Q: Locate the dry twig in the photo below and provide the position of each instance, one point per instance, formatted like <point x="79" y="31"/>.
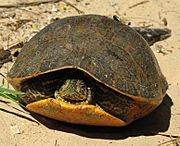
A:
<point x="175" y="142"/>
<point x="68" y="3"/>
<point x="137" y="4"/>
<point x="36" y="3"/>
<point x="169" y="134"/>
<point x="16" y="45"/>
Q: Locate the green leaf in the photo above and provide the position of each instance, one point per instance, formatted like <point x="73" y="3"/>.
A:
<point x="10" y="91"/>
<point x="13" y="95"/>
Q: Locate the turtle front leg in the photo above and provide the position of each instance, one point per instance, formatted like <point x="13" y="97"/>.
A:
<point x="32" y="96"/>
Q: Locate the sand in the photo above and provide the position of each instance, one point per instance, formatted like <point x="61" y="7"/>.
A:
<point x="19" y="128"/>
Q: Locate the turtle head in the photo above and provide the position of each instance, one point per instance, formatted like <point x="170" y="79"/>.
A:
<point x="73" y="90"/>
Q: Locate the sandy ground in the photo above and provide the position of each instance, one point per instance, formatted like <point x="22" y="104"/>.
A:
<point x="19" y="128"/>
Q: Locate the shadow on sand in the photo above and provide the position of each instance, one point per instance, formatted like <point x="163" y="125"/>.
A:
<point x="157" y="121"/>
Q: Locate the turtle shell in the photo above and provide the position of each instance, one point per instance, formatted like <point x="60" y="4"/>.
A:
<point x="108" y="54"/>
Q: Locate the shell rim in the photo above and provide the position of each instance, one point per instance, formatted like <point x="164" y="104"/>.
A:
<point x="136" y="98"/>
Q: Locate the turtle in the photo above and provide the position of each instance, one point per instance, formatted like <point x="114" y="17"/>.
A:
<point x="89" y="70"/>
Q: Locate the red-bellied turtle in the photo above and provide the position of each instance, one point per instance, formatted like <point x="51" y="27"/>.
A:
<point x="89" y="70"/>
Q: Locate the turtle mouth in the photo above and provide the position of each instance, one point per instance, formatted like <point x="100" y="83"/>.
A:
<point x="76" y="102"/>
